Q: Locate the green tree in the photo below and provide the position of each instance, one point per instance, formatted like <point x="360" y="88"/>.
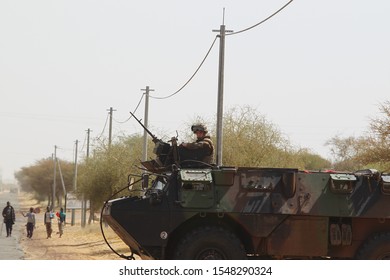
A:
<point x="311" y="161"/>
<point x="344" y="152"/>
<point x="38" y="178"/>
<point x="249" y="139"/>
<point x="372" y="150"/>
<point x="107" y="171"/>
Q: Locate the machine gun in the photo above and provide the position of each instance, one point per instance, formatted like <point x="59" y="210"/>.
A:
<point x="154" y="138"/>
<point x="169" y="154"/>
<point x="161" y="149"/>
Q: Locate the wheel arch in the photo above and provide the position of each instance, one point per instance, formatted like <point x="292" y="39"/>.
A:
<point x="209" y="219"/>
<point x="377" y="246"/>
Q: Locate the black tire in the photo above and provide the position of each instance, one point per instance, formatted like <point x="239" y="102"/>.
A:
<point x="210" y="243"/>
<point x="375" y="248"/>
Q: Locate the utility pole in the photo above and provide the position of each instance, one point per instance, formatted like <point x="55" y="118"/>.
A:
<point x="63" y="185"/>
<point x="54" y="178"/>
<point x="146" y="117"/>
<point x="75" y="167"/>
<point x="110" y="127"/>
<point x="83" y="201"/>
<point x="88" y="135"/>
<point x="75" y="181"/>
<point x="222" y="32"/>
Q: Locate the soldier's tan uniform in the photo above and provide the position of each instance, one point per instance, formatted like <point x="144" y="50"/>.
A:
<point x="203" y="147"/>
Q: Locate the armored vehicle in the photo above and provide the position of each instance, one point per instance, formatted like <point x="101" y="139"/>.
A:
<point x="197" y="211"/>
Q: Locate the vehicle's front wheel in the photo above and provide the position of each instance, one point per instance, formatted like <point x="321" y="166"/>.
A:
<point x="210" y="243"/>
<point x="375" y="248"/>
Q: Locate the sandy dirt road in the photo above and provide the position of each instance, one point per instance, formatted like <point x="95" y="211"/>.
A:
<point x="10" y="248"/>
<point x="77" y="243"/>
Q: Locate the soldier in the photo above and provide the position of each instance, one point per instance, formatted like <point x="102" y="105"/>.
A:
<point x="9" y="218"/>
<point x="201" y="150"/>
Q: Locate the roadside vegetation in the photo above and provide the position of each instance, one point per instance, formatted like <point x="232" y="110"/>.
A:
<point x="371" y="150"/>
<point x="249" y="139"/>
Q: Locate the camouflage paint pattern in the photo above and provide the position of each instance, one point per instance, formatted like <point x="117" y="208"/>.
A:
<point x="283" y="212"/>
<point x="272" y="212"/>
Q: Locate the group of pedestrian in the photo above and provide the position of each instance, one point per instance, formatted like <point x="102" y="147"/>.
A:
<point x="47" y="220"/>
<point x="9" y="219"/>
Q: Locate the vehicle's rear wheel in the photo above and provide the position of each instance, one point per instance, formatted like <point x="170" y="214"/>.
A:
<point x="375" y="248"/>
<point x="210" y="243"/>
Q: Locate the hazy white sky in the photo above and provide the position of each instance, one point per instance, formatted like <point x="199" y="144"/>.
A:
<point x="316" y="70"/>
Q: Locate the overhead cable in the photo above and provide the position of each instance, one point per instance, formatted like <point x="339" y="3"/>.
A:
<point x="136" y="108"/>
<point x="104" y="128"/>
<point x="264" y="20"/>
<point x="193" y="75"/>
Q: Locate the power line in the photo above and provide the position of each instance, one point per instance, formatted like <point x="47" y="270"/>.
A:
<point x="136" y="108"/>
<point x="84" y="142"/>
<point x="199" y="67"/>
<point x="104" y="128"/>
<point x="193" y="75"/>
<point x="212" y="45"/>
<point x="264" y="20"/>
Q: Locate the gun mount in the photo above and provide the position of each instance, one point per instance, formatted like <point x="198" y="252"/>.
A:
<point x="168" y="154"/>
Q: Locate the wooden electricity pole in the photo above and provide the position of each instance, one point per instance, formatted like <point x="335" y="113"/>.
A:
<point x="222" y="32"/>
<point x="146" y="121"/>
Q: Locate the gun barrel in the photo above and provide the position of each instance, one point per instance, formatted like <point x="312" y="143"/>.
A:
<point x="155" y="139"/>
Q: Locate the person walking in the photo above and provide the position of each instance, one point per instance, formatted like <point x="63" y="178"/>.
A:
<point x="47" y="221"/>
<point x="61" y="221"/>
<point x="9" y="218"/>
<point x="30" y="222"/>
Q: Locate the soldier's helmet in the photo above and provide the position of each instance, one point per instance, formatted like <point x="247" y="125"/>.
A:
<point x="199" y="127"/>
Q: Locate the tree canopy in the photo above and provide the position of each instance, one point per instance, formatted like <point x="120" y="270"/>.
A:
<point x="371" y="150"/>
<point x="38" y="178"/>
